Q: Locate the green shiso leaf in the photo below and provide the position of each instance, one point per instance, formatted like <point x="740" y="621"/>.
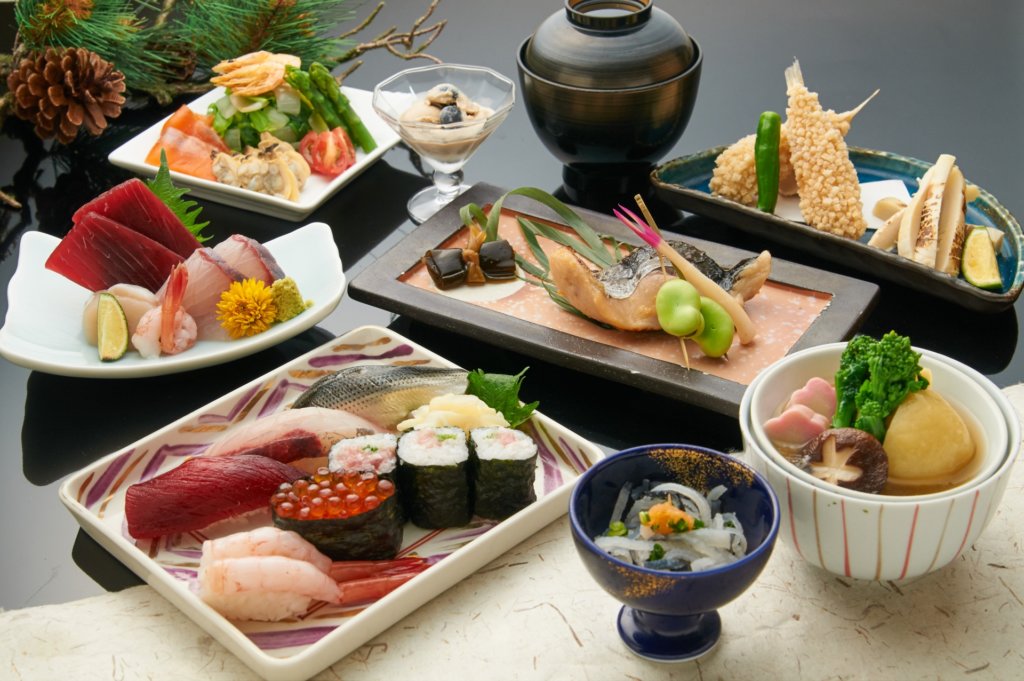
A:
<point x="187" y="211"/>
<point x="501" y="392"/>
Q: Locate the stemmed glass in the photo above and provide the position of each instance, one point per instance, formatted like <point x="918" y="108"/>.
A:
<point x="446" y="147"/>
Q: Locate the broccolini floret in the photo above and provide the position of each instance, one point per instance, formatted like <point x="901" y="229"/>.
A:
<point x="873" y="379"/>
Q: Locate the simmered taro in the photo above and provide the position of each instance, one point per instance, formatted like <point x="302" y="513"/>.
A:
<point x="849" y="458"/>
<point x="498" y="260"/>
<point x="446" y="267"/>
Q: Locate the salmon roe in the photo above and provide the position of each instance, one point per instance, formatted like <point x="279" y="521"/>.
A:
<point x="327" y="495"/>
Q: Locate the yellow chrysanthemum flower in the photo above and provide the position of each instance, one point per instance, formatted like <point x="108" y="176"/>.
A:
<point x="246" y="308"/>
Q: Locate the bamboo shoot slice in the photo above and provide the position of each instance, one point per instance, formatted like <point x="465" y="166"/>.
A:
<point x="911" y="221"/>
<point x="926" y="244"/>
<point x="885" y="236"/>
<point x="952" y="227"/>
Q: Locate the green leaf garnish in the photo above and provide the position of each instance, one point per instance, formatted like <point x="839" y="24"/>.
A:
<point x="187" y="211"/>
<point x="501" y="393"/>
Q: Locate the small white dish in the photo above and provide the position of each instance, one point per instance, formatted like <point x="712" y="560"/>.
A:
<point x="132" y="155"/>
<point x="43" y="328"/>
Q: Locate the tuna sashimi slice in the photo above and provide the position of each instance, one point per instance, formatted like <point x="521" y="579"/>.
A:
<point x="135" y="206"/>
<point x="99" y="252"/>
<point x="209" y="276"/>
<point x="249" y="257"/>
<point x="202" y="491"/>
<point x="292" y="434"/>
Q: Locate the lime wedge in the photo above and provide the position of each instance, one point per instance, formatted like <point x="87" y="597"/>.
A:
<point x="978" y="263"/>
<point x="111" y="328"/>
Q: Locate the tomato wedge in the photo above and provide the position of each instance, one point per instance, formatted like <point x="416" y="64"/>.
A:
<point x="328" y="153"/>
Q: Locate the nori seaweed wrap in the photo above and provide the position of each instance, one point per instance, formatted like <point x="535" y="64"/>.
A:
<point x="504" y="466"/>
<point x="433" y="474"/>
<point x="347" y="516"/>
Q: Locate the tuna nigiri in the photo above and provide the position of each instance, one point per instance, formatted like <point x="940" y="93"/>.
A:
<point x="292" y="434"/>
<point x="249" y="257"/>
<point x="99" y="252"/>
<point x="202" y="491"/>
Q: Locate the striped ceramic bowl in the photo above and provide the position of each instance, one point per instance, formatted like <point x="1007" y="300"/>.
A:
<point x="880" y="537"/>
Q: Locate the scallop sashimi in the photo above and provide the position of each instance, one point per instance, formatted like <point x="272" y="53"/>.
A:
<point x="292" y="434"/>
<point x="209" y="275"/>
<point x="202" y="491"/>
<point x="249" y="257"/>
<point x="132" y="204"/>
<point x="134" y="300"/>
<point x="99" y="252"/>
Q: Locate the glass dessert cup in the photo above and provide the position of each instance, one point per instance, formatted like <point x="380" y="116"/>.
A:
<point x="673" y="616"/>
<point x="445" y="147"/>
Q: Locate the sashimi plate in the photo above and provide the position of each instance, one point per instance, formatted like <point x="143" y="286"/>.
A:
<point x="132" y="155"/>
<point x="683" y="183"/>
<point x="299" y="648"/>
<point x="43" y="328"/>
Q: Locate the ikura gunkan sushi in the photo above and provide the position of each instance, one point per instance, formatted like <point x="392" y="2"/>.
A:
<point x="346" y="516"/>
<point x="434" y="477"/>
<point x="376" y="453"/>
<point x="504" y="463"/>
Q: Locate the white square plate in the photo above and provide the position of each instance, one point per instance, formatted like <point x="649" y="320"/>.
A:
<point x="299" y="648"/>
<point x="132" y="155"/>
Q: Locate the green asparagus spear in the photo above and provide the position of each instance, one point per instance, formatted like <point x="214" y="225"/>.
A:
<point x="325" y="83"/>
<point x="301" y="81"/>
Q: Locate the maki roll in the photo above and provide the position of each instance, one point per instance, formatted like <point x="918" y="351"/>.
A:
<point x="375" y="453"/>
<point x="347" y="516"/>
<point x="504" y="467"/>
<point x="434" y="477"/>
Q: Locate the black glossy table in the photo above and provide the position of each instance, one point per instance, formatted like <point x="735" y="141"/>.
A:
<point x="951" y="76"/>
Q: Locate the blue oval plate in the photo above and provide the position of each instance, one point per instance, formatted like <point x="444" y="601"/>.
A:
<point x="683" y="183"/>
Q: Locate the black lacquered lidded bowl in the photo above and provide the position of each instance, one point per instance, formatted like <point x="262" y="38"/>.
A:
<point x="609" y="86"/>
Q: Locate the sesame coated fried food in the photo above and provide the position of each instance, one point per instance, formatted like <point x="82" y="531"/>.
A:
<point x="826" y="179"/>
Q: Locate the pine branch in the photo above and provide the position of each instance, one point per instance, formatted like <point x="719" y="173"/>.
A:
<point x="400" y="45"/>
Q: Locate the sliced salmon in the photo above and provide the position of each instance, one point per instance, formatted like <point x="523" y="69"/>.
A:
<point x="188" y="138"/>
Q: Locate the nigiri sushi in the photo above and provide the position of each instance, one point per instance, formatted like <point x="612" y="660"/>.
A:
<point x="267" y="588"/>
<point x="292" y="434"/>
<point x="202" y="491"/>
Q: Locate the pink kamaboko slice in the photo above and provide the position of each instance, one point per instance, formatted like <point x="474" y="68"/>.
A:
<point x="292" y="434"/>
<point x="99" y="252"/>
<point x="135" y="206"/>
<point x="209" y="275"/>
<point x="249" y="257"/>
<point x="202" y="491"/>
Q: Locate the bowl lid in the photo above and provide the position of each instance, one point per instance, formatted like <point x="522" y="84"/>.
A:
<point x="609" y="44"/>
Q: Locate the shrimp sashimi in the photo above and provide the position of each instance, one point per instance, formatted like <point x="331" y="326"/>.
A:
<point x="168" y="328"/>
<point x="266" y="541"/>
<point x="267" y="588"/>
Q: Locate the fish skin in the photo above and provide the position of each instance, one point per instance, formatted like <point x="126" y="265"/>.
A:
<point x="381" y="393"/>
<point x="621" y="280"/>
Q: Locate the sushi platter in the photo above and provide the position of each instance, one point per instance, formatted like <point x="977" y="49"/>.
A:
<point x="299" y="647"/>
<point x="826" y="307"/>
<point x="683" y="183"/>
<point x="318" y="189"/>
<point x="43" y="328"/>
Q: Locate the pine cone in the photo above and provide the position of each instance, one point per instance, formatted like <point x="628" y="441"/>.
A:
<point x="62" y="90"/>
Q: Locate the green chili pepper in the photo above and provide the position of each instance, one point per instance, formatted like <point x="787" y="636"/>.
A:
<point x="766" y="159"/>
<point x="354" y="125"/>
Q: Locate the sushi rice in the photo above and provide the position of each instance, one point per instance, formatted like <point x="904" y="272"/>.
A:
<point x="375" y="453"/>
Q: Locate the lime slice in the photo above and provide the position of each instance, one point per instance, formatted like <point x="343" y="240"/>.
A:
<point x="111" y="328"/>
<point x="978" y="263"/>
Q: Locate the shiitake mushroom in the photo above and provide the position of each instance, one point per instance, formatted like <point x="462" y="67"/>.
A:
<point x="847" y="457"/>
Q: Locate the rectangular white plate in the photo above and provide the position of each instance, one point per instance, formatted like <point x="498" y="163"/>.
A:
<point x="43" y="328"/>
<point x="298" y="649"/>
<point x="132" y="155"/>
